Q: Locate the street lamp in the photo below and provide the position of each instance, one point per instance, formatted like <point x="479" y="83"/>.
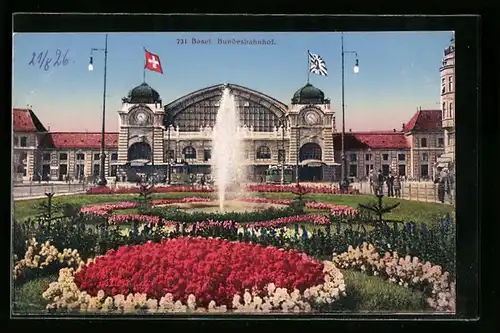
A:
<point x="344" y="183"/>
<point x="282" y="123"/>
<point x="102" y="177"/>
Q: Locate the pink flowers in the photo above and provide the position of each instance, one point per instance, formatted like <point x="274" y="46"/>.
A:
<point x="155" y="189"/>
<point x="334" y="209"/>
<point x="285" y="221"/>
<point x="108" y="208"/>
<point x="301" y="189"/>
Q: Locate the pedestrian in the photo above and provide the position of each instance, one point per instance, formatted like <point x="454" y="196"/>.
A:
<point x="380" y="183"/>
<point x="390" y="185"/>
<point x="202" y="181"/>
<point x="372" y="179"/>
<point x="397" y="186"/>
<point x="441" y="183"/>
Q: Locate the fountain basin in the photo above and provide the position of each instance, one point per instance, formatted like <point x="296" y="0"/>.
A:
<point x="229" y="206"/>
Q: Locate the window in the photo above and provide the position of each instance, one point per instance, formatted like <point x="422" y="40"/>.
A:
<point x="24" y="141"/>
<point x="281" y="156"/>
<point x="385" y="169"/>
<point x="385" y="157"/>
<point x="402" y="170"/>
<point x="80" y="156"/>
<point x="170" y="155"/>
<point x="353" y="157"/>
<point x="368" y="157"/>
<point x="423" y="142"/>
<point x="444" y="110"/>
<point x="424" y="170"/>
<point x="353" y="170"/>
<point x="450" y="83"/>
<point x="443" y="85"/>
<point x="440" y="142"/>
<point x="114" y="170"/>
<point x="46" y="156"/>
<point x="368" y="167"/>
<point x="263" y="153"/>
<point x="114" y="156"/>
<point x="189" y="152"/>
<point x="425" y="157"/>
<point x="63" y="156"/>
<point x="207" y="155"/>
<point x="95" y="170"/>
<point x="451" y="111"/>
<point x="97" y="156"/>
<point x="16" y="141"/>
<point x="401" y="157"/>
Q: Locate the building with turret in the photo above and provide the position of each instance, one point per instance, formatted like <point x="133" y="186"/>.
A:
<point x="447" y="71"/>
<point x="153" y="135"/>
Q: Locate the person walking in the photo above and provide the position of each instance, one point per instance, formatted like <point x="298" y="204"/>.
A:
<point x="380" y="183"/>
<point x="397" y="186"/>
<point x="372" y="179"/>
<point x="390" y="185"/>
<point x="441" y="185"/>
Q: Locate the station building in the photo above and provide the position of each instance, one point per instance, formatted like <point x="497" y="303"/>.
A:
<point x="153" y="135"/>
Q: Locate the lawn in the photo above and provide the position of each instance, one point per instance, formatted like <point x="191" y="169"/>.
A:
<point x="365" y="294"/>
<point x="415" y="211"/>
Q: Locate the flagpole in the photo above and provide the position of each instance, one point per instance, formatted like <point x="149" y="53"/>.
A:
<point x="308" y="69"/>
<point x="144" y="69"/>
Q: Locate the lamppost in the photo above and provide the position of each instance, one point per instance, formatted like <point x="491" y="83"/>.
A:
<point x="169" y="124"/>
<point x="102" y="176"/>
<point x="344" y="183"/>
<point x="282" y="123"/>
<point x="298" y="153"/>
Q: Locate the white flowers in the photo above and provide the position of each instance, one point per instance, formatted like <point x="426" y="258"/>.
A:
<point x="41" y="257"/>
<point x="407" y="272"/>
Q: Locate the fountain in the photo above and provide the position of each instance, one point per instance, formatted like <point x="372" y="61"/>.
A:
<point x="227" y="149"/>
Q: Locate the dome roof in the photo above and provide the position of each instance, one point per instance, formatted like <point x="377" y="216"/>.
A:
<point x="308" y="94"/>
<point x="143" y="94"/>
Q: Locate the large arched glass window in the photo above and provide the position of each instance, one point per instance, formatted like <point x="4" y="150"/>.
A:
<point x="310" y="151"/>
<point x="263" y="152"/>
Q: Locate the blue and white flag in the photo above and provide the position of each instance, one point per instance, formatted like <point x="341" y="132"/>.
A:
<point x="317" y="65"/>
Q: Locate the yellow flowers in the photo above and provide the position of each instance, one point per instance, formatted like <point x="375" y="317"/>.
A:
<point x="407" y="272"/>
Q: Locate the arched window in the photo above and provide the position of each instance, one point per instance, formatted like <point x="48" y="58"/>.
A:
<point x="139" y="151"/>
<point x="189" y="152"/>
<point x="452" y="113"/>
<point x="310" y="151"/>
<point x="263" y="152"/>
<point x="444" y="110"/>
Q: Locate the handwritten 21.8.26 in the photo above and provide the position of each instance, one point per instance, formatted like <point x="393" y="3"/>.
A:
<point x="44" y="60"/>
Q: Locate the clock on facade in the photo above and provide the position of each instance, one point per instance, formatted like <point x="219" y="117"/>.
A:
<point x="141" y="117"/>
<point x="311" y="118"/>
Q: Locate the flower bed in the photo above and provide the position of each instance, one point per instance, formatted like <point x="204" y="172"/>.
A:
<point x="155" y="189"/>
<point x="334" y="209"/>
<point x="252" y="188"/>
<point x="407" y="271"/>
<point x="108" y="208"/>
<point x="185" y="274"/>
<point x="300" y="188"/>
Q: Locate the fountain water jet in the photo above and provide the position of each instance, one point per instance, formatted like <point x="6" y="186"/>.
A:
<point x="227" y="148"/>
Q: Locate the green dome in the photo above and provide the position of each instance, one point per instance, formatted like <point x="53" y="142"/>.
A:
<point x="308" y="94"/>
<point x="143" y="94"/>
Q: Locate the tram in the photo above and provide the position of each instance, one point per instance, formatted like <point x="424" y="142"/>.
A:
<point x="273" y="174"/>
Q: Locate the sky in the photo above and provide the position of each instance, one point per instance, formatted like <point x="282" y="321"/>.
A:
<point x="399" y="72"/>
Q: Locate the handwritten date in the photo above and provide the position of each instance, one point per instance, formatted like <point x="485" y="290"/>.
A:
<point x="45" y="61"/>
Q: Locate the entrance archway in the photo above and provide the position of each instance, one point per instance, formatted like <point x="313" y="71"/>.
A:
<point x="139" y="151"/>
<point x="311" y="152"/>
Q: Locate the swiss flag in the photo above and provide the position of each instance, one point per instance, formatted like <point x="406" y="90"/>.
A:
<point x="153" y="62"/>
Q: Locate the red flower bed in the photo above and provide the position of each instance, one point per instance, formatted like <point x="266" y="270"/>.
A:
<point x="155" y="189"/>
<point x="284" y="221"/>
<point x="298" y="189"/>
<point x="252" y="188"/>
<point x="210" y="269"/>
